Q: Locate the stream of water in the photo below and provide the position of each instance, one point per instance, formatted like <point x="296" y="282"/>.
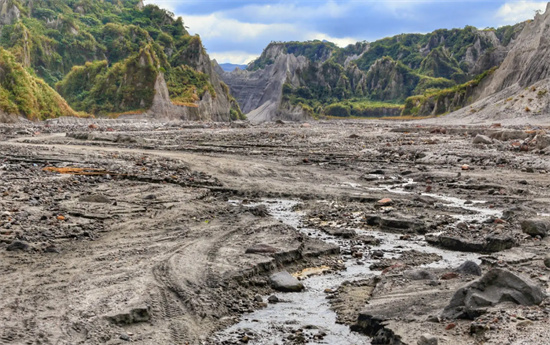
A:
<point x="310" y="310"/>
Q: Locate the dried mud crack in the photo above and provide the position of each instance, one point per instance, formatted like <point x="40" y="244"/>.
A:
<point x="167" y="234"/>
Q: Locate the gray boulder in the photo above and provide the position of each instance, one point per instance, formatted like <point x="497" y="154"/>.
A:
<point x="469" y="267"/>
<point x="543" y="141"/>
<point x="496" y="286"/>
<point x="482" y="139"/>
<point x="285" y="282"/>
<point x="536" y="227"/>
<point x="427" y="339"/>
<point x="547" y="261"/>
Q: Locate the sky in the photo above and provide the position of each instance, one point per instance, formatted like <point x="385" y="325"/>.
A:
<point x="237" y="31"/>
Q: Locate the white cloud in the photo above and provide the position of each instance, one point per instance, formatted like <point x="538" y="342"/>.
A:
<point x="165" y="4"/>
<point x="514" y="12"/>
<point x="236" y="57"/>
<point x="215" y="25"/>
<point x="341" y="42"/>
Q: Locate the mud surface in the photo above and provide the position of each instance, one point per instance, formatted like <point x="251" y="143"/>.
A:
<point x="166" y="233"/>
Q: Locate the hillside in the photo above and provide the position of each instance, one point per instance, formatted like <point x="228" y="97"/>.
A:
<point x="301" y="79"/>
<point x="518" y="90"/>
<point x="113" y="57"/>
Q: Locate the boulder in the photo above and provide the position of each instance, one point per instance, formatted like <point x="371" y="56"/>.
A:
<point x="496" y="286"/>
<point x="482" y="139"/>
<point x="543" y="141"/>
<point x="18" y="245"/>
<point x="469" y="267"/>
<point x="427" y="339"/>
<point x="536" y="227"/>
<point x="285" y="282"/>
<point x="547" y="261"/>
<point x="490" y="244"/>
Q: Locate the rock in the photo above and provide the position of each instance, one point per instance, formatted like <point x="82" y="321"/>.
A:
<point x="547" y="261"/>
<point x="131" y="316"/>
<point x="384" y="202"/>
<point x="536" y="227"/>
<point x="543" y="141"/>
<point x="96" y="198"/>
<point x="489" y="244"/>
<point x="495" y="287"/>
<point x="482" y="139"/>
<point x="273" y="299"/>
<point x="18" y="245"/>
<point x="427" y="339"/>
<point x="258" y="299"/>
<point x="469" y="267"/>
<point x="419" y="274"/>
<point x="261" y="249"/>
<point x="465" y="167"/>
<point x="124" y="337"/>
<point x="285" y="282"/>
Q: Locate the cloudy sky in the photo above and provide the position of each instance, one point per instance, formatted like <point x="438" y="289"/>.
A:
<point x="238" y="30"/>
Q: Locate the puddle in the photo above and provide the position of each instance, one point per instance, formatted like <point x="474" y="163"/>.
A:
<point x="310" y="309"/>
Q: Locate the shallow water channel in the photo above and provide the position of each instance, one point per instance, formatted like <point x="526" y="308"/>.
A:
<point x="310" y="310"/>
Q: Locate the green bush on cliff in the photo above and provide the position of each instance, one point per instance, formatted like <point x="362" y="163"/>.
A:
<point x="187" y="86"/>
<point x="23" y="94"/>
<point x="437" y="102"/>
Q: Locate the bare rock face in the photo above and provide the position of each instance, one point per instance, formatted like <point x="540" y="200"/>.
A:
<point x="9" y="13"/>
<point x="496" y="286"/>
<point x="527" y="62"/>
<point x="259" y="93"/>
<point x="520" y="87"/>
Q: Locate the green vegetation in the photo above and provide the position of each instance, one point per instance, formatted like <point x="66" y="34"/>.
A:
<point x="23" y="94"/>
<point x="105" y="56"/>
<point x="315" y="50"/>
<point x="362" y="108"/>
<point x="437" y="102"/>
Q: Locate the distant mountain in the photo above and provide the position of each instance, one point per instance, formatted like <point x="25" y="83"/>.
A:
<point x="230" y="67"/>
<point x="296" y="80"/>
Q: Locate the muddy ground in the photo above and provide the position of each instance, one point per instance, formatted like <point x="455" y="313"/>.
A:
<point x="115" y="232"/>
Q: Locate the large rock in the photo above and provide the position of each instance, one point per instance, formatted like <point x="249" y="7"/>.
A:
<point x="536" y="227"/>
<point x="482" y="139"/>
<point x="491" y="244"/>
<point x="469" y="267"/>
<point x="496" y="286"/>
<point x="285" y="282"/>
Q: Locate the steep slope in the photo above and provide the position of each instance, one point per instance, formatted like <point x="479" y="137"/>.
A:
<point x="294" y="80"/>
<point x="22" y="94"/>
<point x="520" y="87"/>
<point x="129" y="49"/>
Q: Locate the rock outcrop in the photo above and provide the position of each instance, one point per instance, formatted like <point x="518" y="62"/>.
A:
<point x="520" y="87"/>
<point x="9" y="13"/>
<point x="260" y="93"/>
<point x="496" y="286"/>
